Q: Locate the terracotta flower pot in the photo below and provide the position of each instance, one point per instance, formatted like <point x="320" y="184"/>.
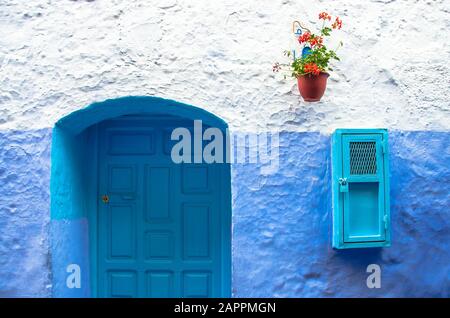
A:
<point x="312" y="87"/>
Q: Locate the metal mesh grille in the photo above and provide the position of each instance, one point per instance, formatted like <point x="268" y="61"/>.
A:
<point x="363" y="157"/>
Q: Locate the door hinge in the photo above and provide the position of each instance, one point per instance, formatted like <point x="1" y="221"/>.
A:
<point x="383" y="147"/>
<point x="385" y="220"/>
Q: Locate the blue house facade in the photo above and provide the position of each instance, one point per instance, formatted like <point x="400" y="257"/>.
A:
<point x="276" y="228"/>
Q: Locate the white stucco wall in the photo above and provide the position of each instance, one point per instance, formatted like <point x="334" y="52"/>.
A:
<point x="59" y="56"/>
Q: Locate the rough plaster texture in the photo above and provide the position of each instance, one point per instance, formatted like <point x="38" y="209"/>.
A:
<point x="282" y="224"/>
<point x="58" y="56"/>
<point x="24" y="213"/>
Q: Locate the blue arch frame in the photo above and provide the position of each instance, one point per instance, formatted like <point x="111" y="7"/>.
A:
<point x="81" y="119"/>
<point x="72" y="181"/>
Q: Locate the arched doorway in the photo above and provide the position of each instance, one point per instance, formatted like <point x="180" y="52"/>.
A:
<point x="136" y="223"/>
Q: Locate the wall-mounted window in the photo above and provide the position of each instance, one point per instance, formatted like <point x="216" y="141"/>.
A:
<point x="360" y="183"/>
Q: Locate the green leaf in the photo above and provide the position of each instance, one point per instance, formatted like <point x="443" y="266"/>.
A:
<point x="326" y="31"/>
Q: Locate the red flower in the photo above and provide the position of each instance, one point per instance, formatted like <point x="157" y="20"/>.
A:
<point x="304" y="37"/>
<point x="316" y="41"/>
<point x="324" y="16"/>
<point x="312" y="39"/>
<point x="337" y="24"/>
<point x="311" y="68"/>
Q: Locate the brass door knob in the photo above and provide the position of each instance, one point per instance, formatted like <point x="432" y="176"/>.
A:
<point x="105" y="198"/>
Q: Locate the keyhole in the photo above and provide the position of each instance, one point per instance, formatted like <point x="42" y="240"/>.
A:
<point x="105" y="198"/>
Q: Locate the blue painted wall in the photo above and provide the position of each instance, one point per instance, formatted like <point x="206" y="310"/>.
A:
<point x="24" y="213"/>
<point x="281" y="222"/>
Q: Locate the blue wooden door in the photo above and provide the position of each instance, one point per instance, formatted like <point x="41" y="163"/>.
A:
<point x="364" y="199"/>
<point x="163" y="229"/>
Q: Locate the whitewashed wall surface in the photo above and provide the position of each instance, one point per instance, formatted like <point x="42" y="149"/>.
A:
<point x="59" y="56"/>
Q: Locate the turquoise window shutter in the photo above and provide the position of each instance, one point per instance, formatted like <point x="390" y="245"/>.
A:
<point x="360" y="175"/>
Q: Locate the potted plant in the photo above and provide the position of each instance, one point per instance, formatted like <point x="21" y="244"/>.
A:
<point x="311" y="68"/>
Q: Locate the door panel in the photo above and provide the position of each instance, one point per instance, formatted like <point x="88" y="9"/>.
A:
<point x="122" y="284"/>
<point x="160" y="284"/>
<point x="120" y="231"/>
<point x="196" y="284"/>
<point x="161" y="234"/>
<point x="158" y="187"/>
<point x="196" y="232"/>
<point x="364" y="201"/>
<point x="363" y="197"/>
